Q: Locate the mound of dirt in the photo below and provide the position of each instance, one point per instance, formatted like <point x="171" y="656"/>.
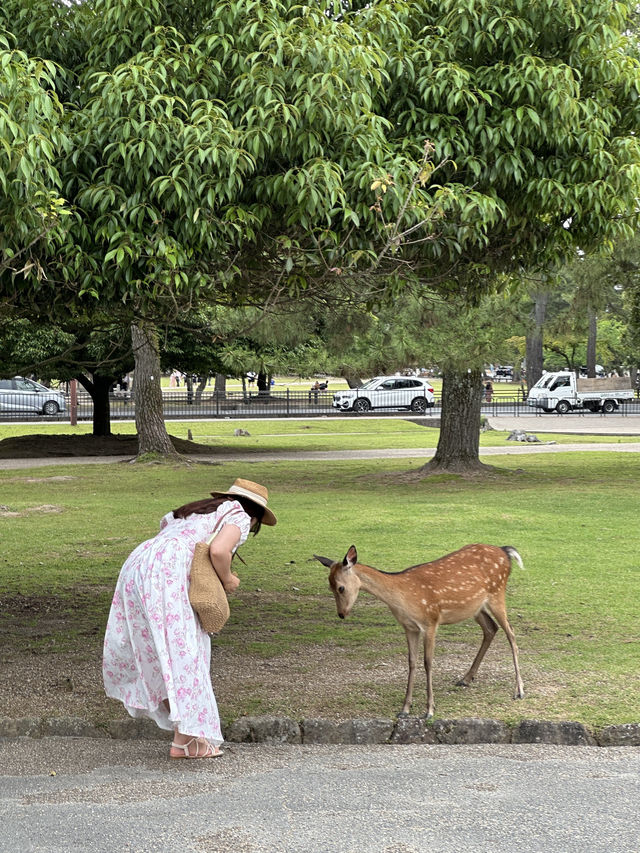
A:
<point x="43" y="446"/>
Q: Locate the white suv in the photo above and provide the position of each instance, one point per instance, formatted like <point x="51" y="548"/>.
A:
<point x="387" y="392"/>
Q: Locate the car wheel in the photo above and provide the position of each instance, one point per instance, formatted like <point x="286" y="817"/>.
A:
<point x="50" y="408"/>
<point x="419" y="405"/>
<point x="361" y="405"/>
<point x="609" y="407"/>
<point x="563" y="407"/>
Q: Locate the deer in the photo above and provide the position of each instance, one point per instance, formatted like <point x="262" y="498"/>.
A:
<point x="470" y="582"/>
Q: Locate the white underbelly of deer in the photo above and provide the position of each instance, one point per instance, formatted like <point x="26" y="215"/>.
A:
<point x="469" y="583"/>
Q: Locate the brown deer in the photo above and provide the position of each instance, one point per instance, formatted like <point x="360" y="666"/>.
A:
<point x="468" y="582"/>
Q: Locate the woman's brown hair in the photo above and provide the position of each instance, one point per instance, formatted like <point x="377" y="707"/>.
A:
<point x="204" y="507"/>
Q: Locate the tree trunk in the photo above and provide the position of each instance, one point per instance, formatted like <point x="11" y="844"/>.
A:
<point x="188" y="384"/>
<point x="220" y="386"/>
<point x="202" y="385"/>
<point x="458" y="448"/>
<point x="264" y="386"/>
<point x="101" y="404"/>
<point x="534" y="353"/>
<point x="353" y="379"/>
<point x="98" y="389"/>
<point x="591" y="345"/>
<point x="150" y="426"/>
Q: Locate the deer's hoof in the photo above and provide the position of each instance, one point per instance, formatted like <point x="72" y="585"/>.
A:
<point x="462" y="683"/>
<point x="402" y="714"/>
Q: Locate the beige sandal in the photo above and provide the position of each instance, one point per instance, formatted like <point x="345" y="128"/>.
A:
<point x="209" y="750"/>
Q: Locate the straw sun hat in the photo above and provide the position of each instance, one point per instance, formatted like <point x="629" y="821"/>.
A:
<point x="254" y="492"/>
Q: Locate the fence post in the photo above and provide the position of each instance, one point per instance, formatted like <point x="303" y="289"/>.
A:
<point x="288" y="408"/>
<point x="73" y="402"/>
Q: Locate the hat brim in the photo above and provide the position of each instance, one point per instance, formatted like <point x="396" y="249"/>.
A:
<point x="268" y="518"/>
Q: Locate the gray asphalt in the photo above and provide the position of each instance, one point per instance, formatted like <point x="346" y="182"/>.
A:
<point x="110" y="796"/>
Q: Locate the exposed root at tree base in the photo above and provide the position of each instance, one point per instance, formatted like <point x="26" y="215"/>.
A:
<point x="156" y="458"/>
<point x="463" y="467"/>
<point x="458" y="472"/>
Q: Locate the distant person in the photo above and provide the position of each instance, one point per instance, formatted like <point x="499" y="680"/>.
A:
<point x="488" y="392"/>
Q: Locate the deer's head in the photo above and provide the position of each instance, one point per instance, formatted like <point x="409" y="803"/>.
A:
<point x="343" y="581"/>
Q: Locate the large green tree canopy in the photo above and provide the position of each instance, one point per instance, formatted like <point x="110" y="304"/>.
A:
<point x="232" y="147"/>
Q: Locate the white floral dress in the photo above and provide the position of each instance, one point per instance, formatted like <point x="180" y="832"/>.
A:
<point x="154" y="647"/>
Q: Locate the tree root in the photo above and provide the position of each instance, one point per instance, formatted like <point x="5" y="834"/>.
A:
<point x="464" y="467"/>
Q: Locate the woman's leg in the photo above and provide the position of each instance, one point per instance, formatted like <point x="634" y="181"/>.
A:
<point x="197" y="746"/>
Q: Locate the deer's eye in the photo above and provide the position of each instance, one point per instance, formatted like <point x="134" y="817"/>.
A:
<point x="340" y="589"/>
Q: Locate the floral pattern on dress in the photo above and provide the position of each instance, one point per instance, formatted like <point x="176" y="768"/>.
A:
<point x="154" y="646"/>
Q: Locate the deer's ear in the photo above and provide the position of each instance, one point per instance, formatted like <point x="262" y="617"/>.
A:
<point x="350" y="558"/>
<point x="324" y="560"/>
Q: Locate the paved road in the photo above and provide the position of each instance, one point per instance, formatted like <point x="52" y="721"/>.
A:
<point x="111" y="796"/>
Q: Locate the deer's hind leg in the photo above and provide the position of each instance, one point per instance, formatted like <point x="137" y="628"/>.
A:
<point x="499" y="613"/>
<point x="489" y="630"/>
<point x="429" y="647"/>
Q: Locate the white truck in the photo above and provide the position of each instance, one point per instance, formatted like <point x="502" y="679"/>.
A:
<point x="561" y="392"/>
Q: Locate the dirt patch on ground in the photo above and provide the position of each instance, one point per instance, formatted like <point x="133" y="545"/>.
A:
<point x="42" y="446"/>
<point x="51" y="657"/>
<point x="5" y="512"/>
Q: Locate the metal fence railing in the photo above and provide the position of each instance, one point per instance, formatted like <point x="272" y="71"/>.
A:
<point x="276" y="403"/>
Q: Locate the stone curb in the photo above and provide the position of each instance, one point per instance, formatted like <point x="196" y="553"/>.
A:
<point x="403" y="730"/>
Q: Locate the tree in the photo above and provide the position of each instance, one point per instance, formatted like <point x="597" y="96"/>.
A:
<point x="537" y="105"/>
<point x="534" y="352"/>
<point x="225" y="341"/>
<point x="96" y="357"/>
<point x="461" y="341"/>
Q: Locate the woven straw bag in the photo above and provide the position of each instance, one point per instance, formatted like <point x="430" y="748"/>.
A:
<point x="206" y="593"/>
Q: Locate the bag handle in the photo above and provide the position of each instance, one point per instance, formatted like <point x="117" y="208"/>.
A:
<point x="217" y="527"/>
<point x="217" y="530"/>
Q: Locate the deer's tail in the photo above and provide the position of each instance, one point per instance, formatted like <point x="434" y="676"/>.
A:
<point x="513" y="555"/>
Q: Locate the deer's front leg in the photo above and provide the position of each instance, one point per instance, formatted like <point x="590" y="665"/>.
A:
<point x="413" y="640"/>
<point x="429" y="646"/>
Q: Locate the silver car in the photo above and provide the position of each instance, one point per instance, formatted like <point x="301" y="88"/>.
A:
<point x="387" y="392"/>
<point x="25" y="395"/>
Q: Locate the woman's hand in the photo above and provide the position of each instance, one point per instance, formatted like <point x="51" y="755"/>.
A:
<point x="232" y="584"/>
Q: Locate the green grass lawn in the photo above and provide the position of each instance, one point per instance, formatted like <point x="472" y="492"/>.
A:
<point x="573" y="517"/>
<point x="311" y="434"/>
